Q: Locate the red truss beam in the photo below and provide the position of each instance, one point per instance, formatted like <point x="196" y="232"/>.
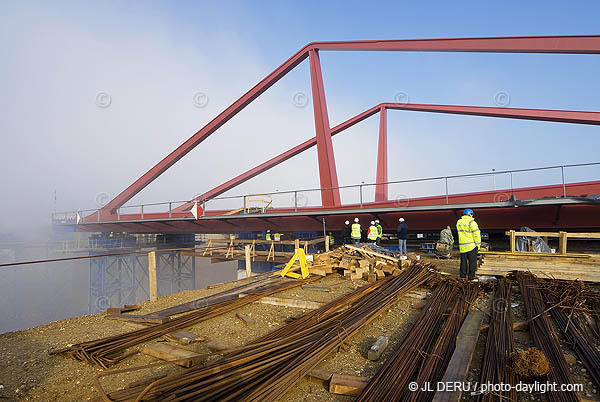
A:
<point x="330" y="194"/>
<point x="381" y="190"/>
<point x="531" y="44"/>
<point x="562" y="116"/>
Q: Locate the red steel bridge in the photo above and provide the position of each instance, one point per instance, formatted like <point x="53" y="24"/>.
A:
<point x="561" y="204"/>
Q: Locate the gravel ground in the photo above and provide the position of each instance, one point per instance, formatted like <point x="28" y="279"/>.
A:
<point x="28" y="373"/>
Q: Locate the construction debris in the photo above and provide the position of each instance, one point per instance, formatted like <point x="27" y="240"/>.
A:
<point x="179" y="356"/>
<point x="266" y="368"/>
<point x="377" y="349"/>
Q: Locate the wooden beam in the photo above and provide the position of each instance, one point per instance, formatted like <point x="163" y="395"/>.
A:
<point x="295" y="303"/>
<point x="347" y="384"/>
<point x="152" y="283"/>
<point x="248" y="261"/>
<point x="181" y="357"/>
<point x="457" y="370"/>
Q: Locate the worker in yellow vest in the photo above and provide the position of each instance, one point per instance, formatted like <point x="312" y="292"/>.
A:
<point x="379" y="231"/>
<point x="469" y="242"/>
<point x="372" y="233"/>
<point x="277" y="236"/>
<point x="268" y="235"/>
<point x="355" y="233"/>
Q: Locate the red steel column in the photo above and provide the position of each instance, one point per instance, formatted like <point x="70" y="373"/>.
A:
<point x="327" y="170"/>
<point x="381" y="190"/>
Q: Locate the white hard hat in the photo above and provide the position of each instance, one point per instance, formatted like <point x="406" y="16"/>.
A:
<point x="401" y="219"/>
<point x="356" y="220"/>
<point x="376" y="220"/>
<point x="347" y="222"/>
<point x="372" y="222"/>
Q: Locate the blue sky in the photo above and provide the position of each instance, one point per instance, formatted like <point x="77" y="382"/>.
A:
<point x="151" y="57"/>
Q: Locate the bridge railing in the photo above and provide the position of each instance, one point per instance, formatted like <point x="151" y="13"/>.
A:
<point x="401" y="193"/>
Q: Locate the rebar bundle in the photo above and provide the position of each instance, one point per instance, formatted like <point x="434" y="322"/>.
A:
<point x="437" y="360"/>
<point x="391" y="380"/>
<point x="571" y="320"/>
<point x="108" y="351"/>
<point x="545" y="338"/>
<point x="266" y="368"/>
<point x="499" y="346"/>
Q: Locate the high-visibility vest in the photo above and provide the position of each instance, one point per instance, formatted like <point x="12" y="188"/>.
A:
<point x="355" y="234"/>
<point x="469" y="236"/>
<point x="268" y="236"/>
<point x="277" y="236"/>
<point x="372" y="235"/>
<point x="379" y="230"/>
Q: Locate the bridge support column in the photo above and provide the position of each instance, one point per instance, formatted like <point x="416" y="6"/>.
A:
<point x="381" y="190"/>
<point x="330" y="195"/>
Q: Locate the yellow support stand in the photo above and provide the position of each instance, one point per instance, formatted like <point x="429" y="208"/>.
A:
<point x="298" y="255"/>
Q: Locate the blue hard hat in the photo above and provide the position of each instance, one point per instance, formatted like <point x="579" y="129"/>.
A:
<point x="468" y="211"/>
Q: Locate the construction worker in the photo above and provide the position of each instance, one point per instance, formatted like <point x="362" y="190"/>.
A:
<point x="355" y="233"/>
<point x="372" y="233"/>
<point x="379" y="231"/>
<point x="346" y="230"/>
<point x="268" y="235"/>
<point x="469" y="242"/>
<point x="402" y="231"/>
<point x="277" y="236"/>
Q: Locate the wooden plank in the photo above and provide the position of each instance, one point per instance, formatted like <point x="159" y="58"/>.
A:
<point x="531" y="254"/>
<point x="150" y="319"/>
<point x="295" y="303"/>
<point x="167" y="352"/>
<point x="466" y="340"/>
<point x="120" y="310"/>
<point x="574" y="235"/>
<point x="512" y="241"/>
<point x="248" y="261"/>
<point x="562" y="243"/>
<point x="347" y="384"/>
<point x="371" y="253"/>
<point x="323" y="375"/>
<point x="183" y="337"/>
<point x="153" y="286"/>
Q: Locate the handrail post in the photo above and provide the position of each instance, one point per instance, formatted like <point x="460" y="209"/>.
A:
<point x="142" y="211"/>
<point x="98" y="215"/>
<point x="245" y="203"/>
<point x="119" y="213"/>
<point x="446" y="180"/>
<point x="512" y="193"/>
<point x="295" y="201"/>
<point x="203" y="207"/>
<point x="361" y="195"/>
<point x="562" y="172"/>
<point x="170" y="209"/>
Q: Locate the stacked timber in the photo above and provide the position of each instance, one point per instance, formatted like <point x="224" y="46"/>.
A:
<point x="357" y="263"/>
<point x="583" y="267"/>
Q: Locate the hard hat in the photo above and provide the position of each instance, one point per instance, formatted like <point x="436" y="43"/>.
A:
<point x="376" y="220"/>
<point x="268" y="230"/>
<point x="372" y="222"/>
<point x="468" y="211"/>
<point x="347" y="222"/>
<point x="356" y="220"/>
<point x="401" y="220"/>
